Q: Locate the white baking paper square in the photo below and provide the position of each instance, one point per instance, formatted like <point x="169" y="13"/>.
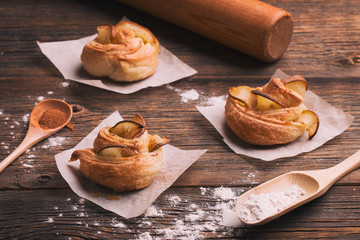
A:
<point x="333" y="122"/>
<point x="131" y="204"/>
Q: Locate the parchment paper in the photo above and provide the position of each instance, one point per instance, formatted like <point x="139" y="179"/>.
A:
<point x="132" y="204"/>
<point x="333" y="121"/>
<point x="65" y="55"/>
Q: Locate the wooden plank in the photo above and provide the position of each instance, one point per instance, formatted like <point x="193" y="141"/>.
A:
<point x="178" y="120"/>
<point x="52" y="214"/>
<point x="37" y="203"/>
<point x="324" y="43"/>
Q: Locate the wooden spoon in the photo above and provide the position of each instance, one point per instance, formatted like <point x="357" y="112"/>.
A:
<point x="35" y="132"/>
<point x="314" y="183"/>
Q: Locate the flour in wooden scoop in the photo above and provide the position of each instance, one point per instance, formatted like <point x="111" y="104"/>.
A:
<point x="258" y="207"/>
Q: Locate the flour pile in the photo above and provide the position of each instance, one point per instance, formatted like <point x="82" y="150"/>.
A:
<point x="258" y="207"/>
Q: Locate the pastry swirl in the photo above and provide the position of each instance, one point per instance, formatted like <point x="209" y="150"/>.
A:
<point x="125" y="52"/>
<point x="125" y="157"/>
<point x="269" y="115"/>
<point x="119" y="174"/>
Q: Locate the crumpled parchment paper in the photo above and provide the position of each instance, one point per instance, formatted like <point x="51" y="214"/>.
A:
<point x="333" y="122"/>
<point x="131" y="204"/>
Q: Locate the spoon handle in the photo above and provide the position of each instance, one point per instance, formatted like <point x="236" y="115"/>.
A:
<point x="28" y="142"/>
<point x="327" y="177"/>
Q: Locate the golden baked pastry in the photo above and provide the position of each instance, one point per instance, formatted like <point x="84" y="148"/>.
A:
<point x="272" y="114"/>
<point x="125" y="157"/>
<point x="125" y="52"/>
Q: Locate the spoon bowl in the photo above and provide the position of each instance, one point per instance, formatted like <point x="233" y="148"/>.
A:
<point x="36" y="133"/>
<point x="314" y="184"/>
<point x="50" y="104"/>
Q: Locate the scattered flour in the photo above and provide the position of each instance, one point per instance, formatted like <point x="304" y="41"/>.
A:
<point x="231" y="219"/>
<point x="64" y="84"/>
<point x="153" y="211"/>
<point x="192" y="95"/>
<point x="197" y="221"/>
<point x="215" y="214"/>
<point x="224" y="193"/>
<point x="118" y="225"/>
<point x="213" y="101"/>
<point x="28" y="165"/>
<point x="197" y="215"/>
<point x="54" y="141"/>
<point x="258" y="207"/>
<point x="145" y="236"/>
<point x="50" y="220"/>
<point x="25" y="118"/>
<point x="203" y="191"/>
<point x="189" y="95"/>
<point x="174" y="200"/>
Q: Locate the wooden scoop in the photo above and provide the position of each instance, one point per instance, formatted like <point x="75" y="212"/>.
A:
<point x="36" y="133"/>
<point x="314" y="183"/>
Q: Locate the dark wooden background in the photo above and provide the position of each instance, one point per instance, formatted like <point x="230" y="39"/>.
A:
<point x="324" y="49"/>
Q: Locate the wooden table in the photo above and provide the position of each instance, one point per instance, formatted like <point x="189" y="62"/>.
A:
<point x="37" y="203"/>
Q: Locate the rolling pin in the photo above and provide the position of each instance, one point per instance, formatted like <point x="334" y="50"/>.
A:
<point x="250" y="26"/>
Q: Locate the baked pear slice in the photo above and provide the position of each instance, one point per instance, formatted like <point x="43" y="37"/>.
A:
<point x="244" y="95"/>
<point x="128" y="129"/>
<point x="265" y="101"/>
<point x="129" y="133"/>
<point x="111" y="151"/>
<point x="156" y="142"/>
<point x="296" y="83"/>
<point x="311" y="120"/>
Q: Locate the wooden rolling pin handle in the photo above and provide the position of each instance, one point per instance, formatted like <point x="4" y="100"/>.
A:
<point x="250" y="26"/>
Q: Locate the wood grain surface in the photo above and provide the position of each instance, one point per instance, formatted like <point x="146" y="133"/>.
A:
<point x="37" y="203"/>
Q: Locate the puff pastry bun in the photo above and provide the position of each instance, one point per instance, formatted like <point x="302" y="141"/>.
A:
<point x="125" y="52"/>
<point x="272" y="114"/>
<point x="125" y="157"/>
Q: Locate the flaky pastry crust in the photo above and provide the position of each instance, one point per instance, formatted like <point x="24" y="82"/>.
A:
<point x="119" y="162"/>
<point x="272" y="114"/>
<point x="258" y="129"/>
<point x="121" y="53"/>
<point x="120" y="173"/>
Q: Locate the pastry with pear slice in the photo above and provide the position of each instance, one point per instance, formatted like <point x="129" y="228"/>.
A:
<point x="272" y="114"/>
<point x="125" y="157"/>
